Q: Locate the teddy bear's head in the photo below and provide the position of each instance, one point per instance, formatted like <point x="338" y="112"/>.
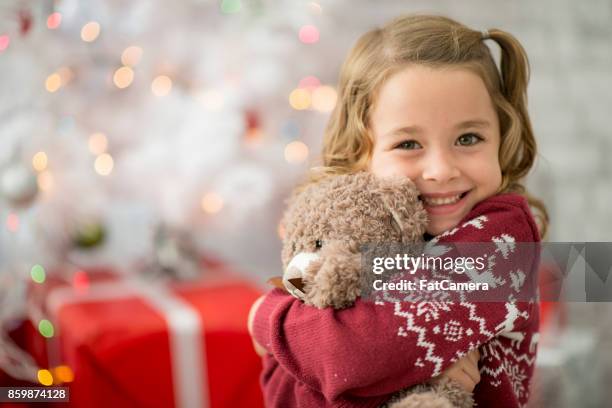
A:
<point x="327" y="223"/>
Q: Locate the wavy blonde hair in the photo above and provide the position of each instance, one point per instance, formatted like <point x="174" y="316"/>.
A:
<point x="433" y="41"/>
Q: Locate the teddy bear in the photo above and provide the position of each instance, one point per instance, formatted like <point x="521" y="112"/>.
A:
<point x="326" y="225"/>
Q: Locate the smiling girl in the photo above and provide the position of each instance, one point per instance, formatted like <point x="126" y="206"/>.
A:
<point x="423" y="98"/>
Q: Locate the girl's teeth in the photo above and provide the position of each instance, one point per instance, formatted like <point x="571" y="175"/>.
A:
<point x="442" y="201"/>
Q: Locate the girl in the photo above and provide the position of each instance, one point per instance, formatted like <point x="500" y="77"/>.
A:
<point x="421" y="97"/>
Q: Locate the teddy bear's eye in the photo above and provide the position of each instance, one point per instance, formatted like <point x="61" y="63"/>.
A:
<point x="318" y="244"/>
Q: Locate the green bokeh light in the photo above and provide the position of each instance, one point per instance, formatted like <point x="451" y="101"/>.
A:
<point x="46" y="328"/>
<point x="230" y="6"/>
<point x="38" y="273"/>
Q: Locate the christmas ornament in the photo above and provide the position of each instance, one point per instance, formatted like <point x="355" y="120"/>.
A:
<point x="176" y="256"/>
<point x="18" y="185"/>
<point x="89" y="235"/>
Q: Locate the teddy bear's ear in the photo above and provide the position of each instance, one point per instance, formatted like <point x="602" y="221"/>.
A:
<point x="400" y="197"/>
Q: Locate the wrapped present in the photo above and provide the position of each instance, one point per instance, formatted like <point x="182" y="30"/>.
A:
<point x="129" y="342"/>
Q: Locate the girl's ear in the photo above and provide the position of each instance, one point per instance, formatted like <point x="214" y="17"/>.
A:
<point x="400" y="197"/>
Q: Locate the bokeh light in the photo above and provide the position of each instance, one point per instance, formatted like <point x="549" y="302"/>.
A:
<point x="46" y="329"/>
<point x="53" y="82"/>
<point x="212" y="100"/>
<point x="45" y="377"/>
<point x="281" y="231"/>
<point x="299" y="99"/>
<point x="296" y="152"/>
<point x="90" y="31"/>
<point x="231" y="6"/>
<point x="131" y="56"/>
<point x="63" y="374"/>
<point x="98" y="143"/>
<point x="309" y="82"/>
<point x="12" y="222"/>
<point x="212" y="203"/>
<point x="54" y="20"/>
<point x="309" y="34"/>
<point x="39" y="161"/>
<point x="38" y="273"/>
<point x="45" y="180"/>
<point x="315" y="8"/>
<point x="161" y="85"/>
<point x="104" y="164"/>
<point x="324" y="98"/>
<point x="123" y="77"/>
<point x="80" y="282"/>
<point x="5" y="40"/>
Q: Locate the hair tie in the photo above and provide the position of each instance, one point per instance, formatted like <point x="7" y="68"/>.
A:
<point x="485" y="34"/>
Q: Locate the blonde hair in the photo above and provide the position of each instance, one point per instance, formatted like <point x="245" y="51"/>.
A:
<point x="434" y="41"/>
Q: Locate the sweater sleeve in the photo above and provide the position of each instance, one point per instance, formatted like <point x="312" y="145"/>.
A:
<point x="374" y="349"/>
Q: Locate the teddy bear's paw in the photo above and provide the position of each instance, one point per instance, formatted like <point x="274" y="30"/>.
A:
<point x="459" y="397"/>
<point x="429" y="399"/>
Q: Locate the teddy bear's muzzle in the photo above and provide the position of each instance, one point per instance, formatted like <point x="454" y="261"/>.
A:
<point x="292" y="278"/>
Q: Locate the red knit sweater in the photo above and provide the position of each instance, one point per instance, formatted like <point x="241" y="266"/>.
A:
<point x="360" y="356"/>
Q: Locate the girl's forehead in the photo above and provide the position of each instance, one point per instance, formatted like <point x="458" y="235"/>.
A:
<point x="424" y="94"/>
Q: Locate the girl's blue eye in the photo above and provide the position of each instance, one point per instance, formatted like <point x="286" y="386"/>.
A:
<point x="469" y="139"/>
<point x="408" y="145"/>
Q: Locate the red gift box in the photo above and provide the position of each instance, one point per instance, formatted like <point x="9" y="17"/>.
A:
<point x="132" y="343"/>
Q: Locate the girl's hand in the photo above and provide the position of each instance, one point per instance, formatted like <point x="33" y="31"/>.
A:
<point x="464" y="371"/>
<point x="258" y="348"/>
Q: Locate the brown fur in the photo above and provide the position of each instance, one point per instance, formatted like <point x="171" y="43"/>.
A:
<point x="344" y="212"/>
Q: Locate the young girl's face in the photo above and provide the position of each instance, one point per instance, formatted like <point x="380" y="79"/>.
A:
<point x="439" y="128"/>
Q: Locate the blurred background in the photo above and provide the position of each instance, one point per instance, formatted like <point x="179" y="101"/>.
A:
<point x="158" y="140"/>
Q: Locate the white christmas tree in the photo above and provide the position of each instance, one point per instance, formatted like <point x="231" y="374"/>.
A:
<point x="119" y="118"/>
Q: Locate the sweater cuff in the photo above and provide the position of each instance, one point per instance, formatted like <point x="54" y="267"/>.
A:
<point x="261" y="322"/>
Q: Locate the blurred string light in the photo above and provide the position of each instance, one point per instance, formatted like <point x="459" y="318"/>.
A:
<point x="280" y="230"/>
<point x="212" y="100"/>
<point x="309" y="82"/>
<point x="45" y="377"/>
<point x="212" y="203"/>
<point x="296" y="152"/>
<point x="53" y="82"/>
<point x="80" y="282"/>
<point x="131" y="56"/>
<point x="309" y="34"/>
<point x="5" y="40"/>
<point x="299" y="99"/>
<point x="324" y="98"/>
<point x="123" y="77"/>
<point x="90" y="31"/>
<point x="315" y="7"/>
<point x="38" y="274"/>
<point x="310" y="94"/>
<point x="46" y="329"/>
<point x="40" y="161"/>
<point x="12" y="222"/>
<point x="63" y="374"/>
<point x="98" y="143"/>
<point x="45" y="180"/>
<point x="231" y="6"/>
<point x="104" y="164"/>
<point x="54" y="20"/>
<point x="161" y="85"/>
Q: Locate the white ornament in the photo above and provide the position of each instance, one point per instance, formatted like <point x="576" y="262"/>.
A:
<point x="18" y="185"/>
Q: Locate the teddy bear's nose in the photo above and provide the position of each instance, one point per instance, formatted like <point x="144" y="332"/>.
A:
<point x="292" y="278"/>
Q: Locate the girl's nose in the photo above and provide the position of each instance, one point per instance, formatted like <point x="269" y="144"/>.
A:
<point x="440" y="166"/>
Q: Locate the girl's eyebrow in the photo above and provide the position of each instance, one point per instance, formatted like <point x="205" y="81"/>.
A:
<point x="478" y="123"/>
<point x="473" y="123"/>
